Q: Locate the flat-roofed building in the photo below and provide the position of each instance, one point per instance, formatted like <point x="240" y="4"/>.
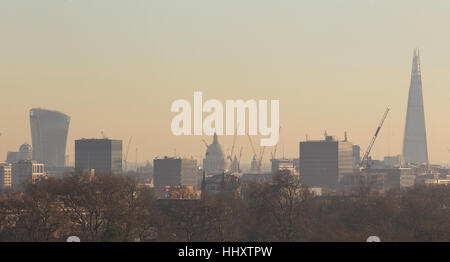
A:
<point x="102" y="155"/>
<point x="323" y="163"/>
<point x="169" y="171"/>
<point x="26" y="171"/>
<point x="283" y="164"/>
<point x="5" y="175"/>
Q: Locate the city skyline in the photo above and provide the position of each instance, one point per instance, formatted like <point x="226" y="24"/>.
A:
<point x="333" y="66"/>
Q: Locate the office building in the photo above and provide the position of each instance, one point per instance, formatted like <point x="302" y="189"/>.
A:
<point x="11" y="157"/>
<point x="174" y="172"/>
<point x="5" y="175"/>
<point x="26" y="171"/>
<point x="323" y="163"/>
<point x="102" y="155"/>
<point x="49" y="136"/>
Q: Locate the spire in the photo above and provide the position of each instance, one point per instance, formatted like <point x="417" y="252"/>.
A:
<point x="203" y="191"/>
<point x="215" y="141"/>
<point x="415" y="139"/>
<point x="416" y="63"/>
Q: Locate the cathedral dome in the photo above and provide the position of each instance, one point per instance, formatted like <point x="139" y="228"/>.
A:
<point x="214" y="150"/>
<point x="214" y="161"/>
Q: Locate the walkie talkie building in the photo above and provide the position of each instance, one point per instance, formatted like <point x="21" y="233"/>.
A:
<point x="49" y="131"/>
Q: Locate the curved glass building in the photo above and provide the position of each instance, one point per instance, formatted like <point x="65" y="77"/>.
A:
<point x="49" y="136"/>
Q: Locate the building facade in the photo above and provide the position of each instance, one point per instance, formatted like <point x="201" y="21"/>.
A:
<point x="5" y="175"/>
<point x="323" y="163"/>
<point x="102" y="155"/>
<point x="174" y="172"/>
<point x="26" y="171"/>
<point x="49" y="131"/>
<point x="415" y="138"/>
<point x="283" y="164"/>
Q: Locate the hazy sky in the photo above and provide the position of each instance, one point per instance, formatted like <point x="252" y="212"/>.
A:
<point x="116" y="66"/>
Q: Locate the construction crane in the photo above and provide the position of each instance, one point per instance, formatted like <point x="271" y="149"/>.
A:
<point x="261" y="154"/>
<point x="274" y="152"/>
<point x="239" y="159"/>
<point x="206" y="143"/>
<point x="232" y="147"/>
<point x="126" y="153"/>
<point x="103" y="135"/>
<point x="372" y="142"/>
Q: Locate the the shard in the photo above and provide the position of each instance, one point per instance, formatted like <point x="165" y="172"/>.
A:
<point x="415" y="139"/>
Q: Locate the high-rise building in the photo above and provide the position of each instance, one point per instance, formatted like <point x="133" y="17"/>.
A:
<point x="26" y="171"/>
<point x="174" y="172"/>
<point x="415" y="139"/>
<point x="323" y="163"/>
<point x="5" y="175"/>
<point x="49" y="136"/>
<point x="214" y="161"/>
<point x="102" y="155"/>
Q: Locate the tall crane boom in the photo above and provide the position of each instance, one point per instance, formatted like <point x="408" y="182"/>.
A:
<point x="251" y="144"/>
<point x="126" y="153"/>
<point x="260" y="159"/>
<point x="232" y="148"/>
<point x="372" y="142"/>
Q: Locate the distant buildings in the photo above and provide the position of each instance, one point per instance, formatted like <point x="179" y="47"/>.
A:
<point x="25" y="153"/>
<point x="26" y="171"/>
<point x="174" y="172"/>
<point x="219" y="183"/>
<point x="176" y="192"/>
<point x="384" y="180"/>
<point x="415" y="138"/>
<point x="393" y="161"/>
<point x="11" y="157"/>
<point x="214" y="161"/>
<point x="49" y="136"/>
<point x="324" y="162"/>
<point x="256" y="177"/>
<point x="234" y="167"/>
<point x="5" y="175"/>
<point x="101" y="155"/>
<point x="283" y="164"/>
<point x="145" y="173"/>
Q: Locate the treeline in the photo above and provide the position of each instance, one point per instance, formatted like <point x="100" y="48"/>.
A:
<point x="117" y="208"/>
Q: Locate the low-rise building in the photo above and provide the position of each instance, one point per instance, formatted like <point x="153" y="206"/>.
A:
<point x="26" y="171"/>
<point x="5" y="175"/>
